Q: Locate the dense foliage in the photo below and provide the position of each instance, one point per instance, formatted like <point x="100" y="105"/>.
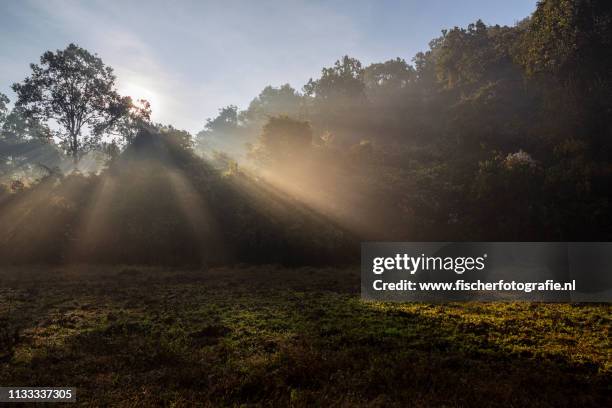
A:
<point x="493" y="133"/>
<point x="501" y="133"/>
<point x="159" y="203"/>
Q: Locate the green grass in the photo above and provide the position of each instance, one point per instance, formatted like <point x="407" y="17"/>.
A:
<point x="278" y="337"/>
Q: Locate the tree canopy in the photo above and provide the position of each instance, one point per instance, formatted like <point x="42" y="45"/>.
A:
<point x="75" y="89"/>
<point x="498" y="133"/>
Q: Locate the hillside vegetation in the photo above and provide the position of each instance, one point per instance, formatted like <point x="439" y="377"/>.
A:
<point x="494" y="133"/>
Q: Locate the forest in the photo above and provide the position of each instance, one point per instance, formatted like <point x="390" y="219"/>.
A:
<point x="493" y="133"/>
<point x="219" y="267"/>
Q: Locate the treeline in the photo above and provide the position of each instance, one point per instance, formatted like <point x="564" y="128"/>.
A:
<point x="494" y="133"/>
<point x="86" y="177"/>
<point x="159" y="203"/>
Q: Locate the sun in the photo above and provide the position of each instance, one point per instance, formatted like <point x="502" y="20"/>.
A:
<point x="137" y="91"/>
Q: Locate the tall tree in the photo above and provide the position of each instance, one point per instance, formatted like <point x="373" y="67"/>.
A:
<point x="75" y="89"/>
<point x="570" y="39"/>
<point x="567" y="49"/>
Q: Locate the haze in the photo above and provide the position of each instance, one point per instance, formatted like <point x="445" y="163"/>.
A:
<point x="190" y="58"/>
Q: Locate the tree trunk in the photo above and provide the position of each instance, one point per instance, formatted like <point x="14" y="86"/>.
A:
<point x="75" y="150"/>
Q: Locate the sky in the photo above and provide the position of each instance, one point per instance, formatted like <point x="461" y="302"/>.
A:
<point x="189" y="58"/>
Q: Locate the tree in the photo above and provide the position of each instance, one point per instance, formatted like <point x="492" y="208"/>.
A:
<point x="222" y="132"/>
<point x="137" y="117"/>
<point x="3" y="107"/>
<point x="75" y="89"/>
<point x="226" y="121"/>
<point x="25" y="142"/>
<point x="343" y="80"/>
<point x="283" y="141"/>
<point x="467" y="57"/>
<point x="570" y="39"/>
<point x="273" y="101"/>
<point x="388" y="76"/>
<point x="337" y="100"/>
<point x="566" y="49"/>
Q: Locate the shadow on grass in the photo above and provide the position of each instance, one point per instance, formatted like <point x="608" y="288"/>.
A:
<point x="280" y="337"/>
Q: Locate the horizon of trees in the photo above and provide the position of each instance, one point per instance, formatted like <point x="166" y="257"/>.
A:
<point x="494" y="133"/>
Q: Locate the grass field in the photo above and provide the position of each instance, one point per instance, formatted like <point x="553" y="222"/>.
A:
<point x="270" y="336"/>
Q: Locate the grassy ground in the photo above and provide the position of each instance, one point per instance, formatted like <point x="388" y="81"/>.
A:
<point x="277" y="337"/>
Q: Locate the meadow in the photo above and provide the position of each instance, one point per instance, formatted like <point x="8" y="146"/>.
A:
<point x="272" y="336"/>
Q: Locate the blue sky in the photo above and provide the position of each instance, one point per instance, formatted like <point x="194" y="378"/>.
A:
<point x="191" y="57"/>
